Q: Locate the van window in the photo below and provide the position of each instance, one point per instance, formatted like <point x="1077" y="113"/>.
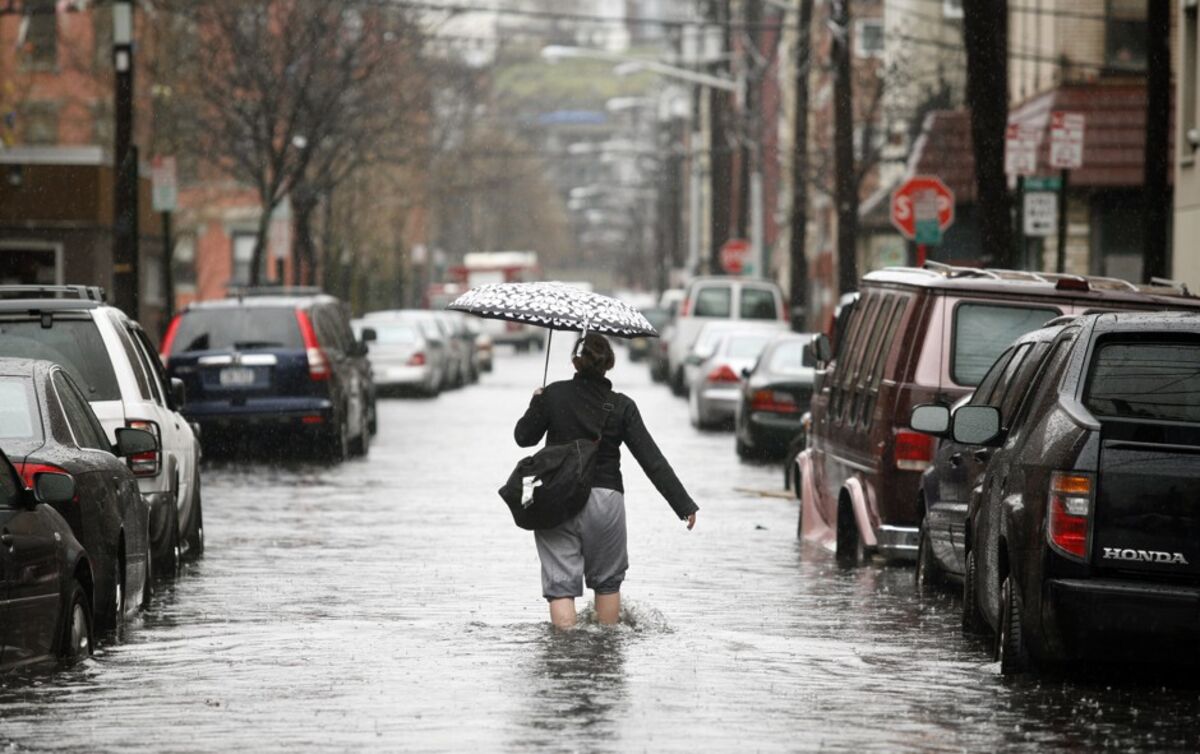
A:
<point x="875" y="376"/>
<point x="870" y="352"/>
<point x="981" y="332"/>
<point x="758" y="303"/>
<point x="74" y="344"/>
<point x="855" y="345"/>
<point x="713" y="301"/>
<point x="1158" y="380"/>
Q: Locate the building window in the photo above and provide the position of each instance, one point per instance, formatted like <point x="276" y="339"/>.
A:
<point x="243" y="256"/>
<point x="1125" y="35"/>
<point x="868" y="38"/>
<point x="39" y="123"/>
<point x="183" y="263"/>
<point x="40" y="34"/>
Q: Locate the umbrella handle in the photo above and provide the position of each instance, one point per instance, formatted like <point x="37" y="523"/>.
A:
<point x="546" y="369"/>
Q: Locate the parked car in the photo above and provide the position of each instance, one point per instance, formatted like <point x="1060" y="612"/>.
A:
<point x="957" y="469"/>
<point x="659" y="351"/>
<point x="484" y="345"/>
<point x="50" y="428"/>
<point x="278" y="361"/>
<point x="443" y="349"/>
<point x="709" y="299"/>
<point x="639" y="348"/>
<point x="463" y="345"/>
<point x="113" y="361"/>
<point x="716" y="389"/>
<point x="920" y="336"/>
<point x="402" y="358"/>
<point x="775" y="395"/>
<point x="709" y="339"/>
<point x="1083" y="541"/>
<point x="45" y="574"/>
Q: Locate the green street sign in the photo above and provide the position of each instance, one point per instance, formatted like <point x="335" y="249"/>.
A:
<point x="1043" y="183"/>
<point x="928" y="232"/>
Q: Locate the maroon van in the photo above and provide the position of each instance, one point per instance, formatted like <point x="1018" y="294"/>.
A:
<point x="915" y="336"/>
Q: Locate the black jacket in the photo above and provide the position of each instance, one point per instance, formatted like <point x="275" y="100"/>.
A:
<point x="573" y="409"/>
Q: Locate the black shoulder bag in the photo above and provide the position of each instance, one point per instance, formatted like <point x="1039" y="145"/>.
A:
<point x="552" y="485"/>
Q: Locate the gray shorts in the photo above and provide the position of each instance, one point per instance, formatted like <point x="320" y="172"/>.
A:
<point x="591" y="545"/>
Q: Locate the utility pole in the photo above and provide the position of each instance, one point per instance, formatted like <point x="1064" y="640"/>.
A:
<point x="125" y="166"/>
<point x="1157" y="196"/>
<point x="846" y="185"/>
<point x="720" y="156"/>
<point x="798" y="298"/>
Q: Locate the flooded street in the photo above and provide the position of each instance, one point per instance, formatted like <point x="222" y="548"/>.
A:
<point x="390" y="603"/>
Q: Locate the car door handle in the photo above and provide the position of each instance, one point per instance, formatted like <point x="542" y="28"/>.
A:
<point x="956" y="459"/>
<point x="983" y="454"/>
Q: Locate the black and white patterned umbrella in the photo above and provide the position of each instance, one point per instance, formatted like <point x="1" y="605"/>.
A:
<point x="556" y="306"/>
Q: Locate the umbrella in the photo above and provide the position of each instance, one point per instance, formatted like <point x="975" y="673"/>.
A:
<point x="555" y="306"/>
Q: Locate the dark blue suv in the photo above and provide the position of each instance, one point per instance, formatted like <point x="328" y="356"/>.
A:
<point x="276" y="361"/>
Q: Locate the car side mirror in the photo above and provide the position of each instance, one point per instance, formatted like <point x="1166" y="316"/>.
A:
<point x="930" y="419"/>
<point x="369" y="335"/>
<point x="53" y="488"/>
<point x="821" y="349"/>
<point x="746" y="372"/>
<point x="132" y="442"/>
<point x="976" y="425"/>
<point x="178" y="392"/>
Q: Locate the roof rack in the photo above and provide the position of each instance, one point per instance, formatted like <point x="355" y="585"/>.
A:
<point x="1178" y="285"/>
<point x="82" y="292"/>
<point x="249" y="291"/>
<point x="952" y="271"/>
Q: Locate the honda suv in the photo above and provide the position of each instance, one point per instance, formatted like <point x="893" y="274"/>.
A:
<point x="277" y="360"/>
<point x="111" y="359"/>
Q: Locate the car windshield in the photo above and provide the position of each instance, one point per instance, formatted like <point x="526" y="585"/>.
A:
<point x="73" y="343"/>
<point x="19" y="418"/>
<point x="746" y="346"/>
<point x="983" y="331"/>
<point x="392" y="334"/>
<point x="787" y="358"/>
<point x="1146" y="380"/>
<point x="236" y="328"/>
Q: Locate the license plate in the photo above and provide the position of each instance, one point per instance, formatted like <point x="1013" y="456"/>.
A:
<point x="237" y="377"/>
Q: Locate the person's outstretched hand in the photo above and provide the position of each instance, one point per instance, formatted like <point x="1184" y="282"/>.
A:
<point x="691" y="521"/>
<point x="538" y="391"/>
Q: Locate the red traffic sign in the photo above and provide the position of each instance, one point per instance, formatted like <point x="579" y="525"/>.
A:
<point x="921" y="191"/>
<point x="734" y="254"/>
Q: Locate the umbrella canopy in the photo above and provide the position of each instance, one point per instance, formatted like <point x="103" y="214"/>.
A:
<point x="556" y="306"/>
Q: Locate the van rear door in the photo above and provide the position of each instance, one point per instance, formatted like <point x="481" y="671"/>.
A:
<point x="1146" y="394"/>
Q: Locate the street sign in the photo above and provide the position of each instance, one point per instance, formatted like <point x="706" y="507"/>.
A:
<point x="1043" y="183"/>
<point x="1066" y="140"/>
<point x="735" y="253"/>
<point x="165" y="190"/>
<point x="1020" y="149"/>
<point x="923" y="195"/>
<point x="1040" y="213"/>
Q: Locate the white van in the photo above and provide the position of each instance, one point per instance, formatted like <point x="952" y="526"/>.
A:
<point x="712" y="299"/>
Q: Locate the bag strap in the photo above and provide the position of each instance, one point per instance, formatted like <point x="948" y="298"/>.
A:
<point x="607" y="407"/>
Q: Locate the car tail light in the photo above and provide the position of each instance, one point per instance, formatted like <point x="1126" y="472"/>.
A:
<point x="914" y="451"/>
<point x="1070" y="511"/>
<point x="318" y="362"/>
<point x="164" y="350"/>
<point x="722" y="373"/>
<point x="312" y="419"/>
<point x="150" y="463"/>
<point x="771" y="400"/>
<point x="417" y="359"/>
<point x="29" y="471"/>
<point x="685" y="307"/>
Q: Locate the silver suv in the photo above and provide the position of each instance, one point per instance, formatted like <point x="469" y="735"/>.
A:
<point x="112" y="360"/>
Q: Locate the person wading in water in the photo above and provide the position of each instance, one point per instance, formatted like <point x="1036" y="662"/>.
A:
<point x="591" y="545"/>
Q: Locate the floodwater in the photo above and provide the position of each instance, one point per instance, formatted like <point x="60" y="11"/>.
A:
<point x="390" y="604"/>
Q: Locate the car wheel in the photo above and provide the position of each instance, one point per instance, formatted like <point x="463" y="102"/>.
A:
<point x="77" y="631"/>
<point x="373" y="421"/>
<point x="742" y="449"/>
<point x="972" y="619"/>
<point x="148" y="585"/>
<point x="849" y="543"/>
<point x="927" y="574"/>
<point x="677" y="384"/>
<point x="337" y="443"/>
<point x="361" y="445"/>
<point x="193" y="538"/>
<point x="117" y="603"/>
<point x="1010" y="640"/>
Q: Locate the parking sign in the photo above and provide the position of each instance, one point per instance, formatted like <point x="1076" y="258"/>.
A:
<point x="1066" y="140"/>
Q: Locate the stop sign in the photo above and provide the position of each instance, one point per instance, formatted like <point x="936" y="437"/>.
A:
<point x="733" y="255"/>
<point x="921" y="189"/>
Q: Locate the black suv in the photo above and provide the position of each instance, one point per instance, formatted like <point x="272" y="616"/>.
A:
<point x="1084" y="538"/>
<point x="275" y="360"/>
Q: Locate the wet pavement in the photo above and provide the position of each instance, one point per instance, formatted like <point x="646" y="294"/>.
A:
<point x="390" y="603"/>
